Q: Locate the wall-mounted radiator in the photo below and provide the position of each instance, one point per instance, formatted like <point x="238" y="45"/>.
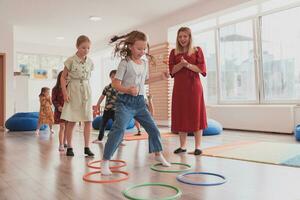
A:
<point x="269" y="118"/>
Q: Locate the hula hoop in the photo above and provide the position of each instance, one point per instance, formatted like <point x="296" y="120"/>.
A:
<point x="177" y="195"/>
<point x="181" y="178"/>
<point x="153" y="167"/>
<point x="123" y="163"/>
<point x="87" y="179"/>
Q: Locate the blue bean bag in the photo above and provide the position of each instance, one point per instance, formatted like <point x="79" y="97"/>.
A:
<point x="24" y="122"/>
<point x="97" y="120"/>
<point x="297" y="132"/>
<point x="213" y="128"/>
<point x="27" y="114"/>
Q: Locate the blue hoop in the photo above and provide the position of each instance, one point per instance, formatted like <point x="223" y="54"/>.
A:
<point x="181" y="178"/>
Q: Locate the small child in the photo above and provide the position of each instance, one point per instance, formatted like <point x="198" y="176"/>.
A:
<point x="58" y="102"/>
<point x="46" y="113"/>
<point x="132" y="74"/>
<point x="109" y="111"/>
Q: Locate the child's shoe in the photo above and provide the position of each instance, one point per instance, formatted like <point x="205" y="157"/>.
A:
<point x="138" y="133"/>
<point x="97" y="141"/>
<point x="61" y="148"/>
<point x="70" y="152"/>
<point x="88" y="152"/>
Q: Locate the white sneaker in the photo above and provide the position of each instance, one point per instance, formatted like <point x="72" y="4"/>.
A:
<point x="123" y="144"/>
<point x="97" y="141"/>
<point x="61" y="148"/>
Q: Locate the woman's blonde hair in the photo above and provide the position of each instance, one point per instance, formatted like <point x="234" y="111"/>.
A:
<point x="179" y="48"/>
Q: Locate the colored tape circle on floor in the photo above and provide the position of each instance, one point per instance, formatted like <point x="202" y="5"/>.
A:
<point x="128" y="190"/>
<point x="122" y="164"/>
<point x="154" y="167"/>
<point x="87" y="176"/>
<point x="181" y="178"/>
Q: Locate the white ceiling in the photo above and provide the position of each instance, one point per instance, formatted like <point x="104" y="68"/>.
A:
<point x="41" y="21"/>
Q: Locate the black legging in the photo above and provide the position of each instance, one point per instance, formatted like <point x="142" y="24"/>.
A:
<point x="107" y="114"/>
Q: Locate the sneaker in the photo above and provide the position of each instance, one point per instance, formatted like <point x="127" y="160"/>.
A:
<point x="61" y="148"/>
<point x="70" y="152"/>
<point x="122" y="144"/>
<point x="97" y="141"/>
<point x="179" y="150"/>
<point x="138" y="133"/>
<point x="197" y="152"/>
<point x="65" y="145"/>
<point x="88" y="152"/>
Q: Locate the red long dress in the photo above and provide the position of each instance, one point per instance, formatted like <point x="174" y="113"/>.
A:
<point x="188" y="106"/>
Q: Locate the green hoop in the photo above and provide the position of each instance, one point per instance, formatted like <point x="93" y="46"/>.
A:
<point x="176" y="196"/>
<point x="153" y="167"/>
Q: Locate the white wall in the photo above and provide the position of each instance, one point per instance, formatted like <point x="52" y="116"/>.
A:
<point x="297" y="114"/>
<point x="28" y="89"/>
<point x="104" y="62"/>
<point x="27" y="93"/>
<point x="43" y="49"/>
<point x="21" y="94"/>
<point x="7" y="47"/>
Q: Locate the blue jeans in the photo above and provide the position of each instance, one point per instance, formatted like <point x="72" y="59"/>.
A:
<point x="128" y="107"/>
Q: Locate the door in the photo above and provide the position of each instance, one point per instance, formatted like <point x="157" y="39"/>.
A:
<point x="2" y="89"/>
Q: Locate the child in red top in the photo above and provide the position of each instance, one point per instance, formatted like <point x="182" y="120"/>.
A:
<point x="58" y="102"/>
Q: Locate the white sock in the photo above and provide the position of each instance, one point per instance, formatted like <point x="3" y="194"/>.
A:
<point x="105" y="168"/>
<point x="161" y="158"/>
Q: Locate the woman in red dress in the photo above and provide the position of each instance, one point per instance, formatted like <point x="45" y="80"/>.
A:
<point x="188" y="107"/>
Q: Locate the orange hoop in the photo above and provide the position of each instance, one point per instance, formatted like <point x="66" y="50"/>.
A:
<point x="87" y="179"/>
<point x="123" y="164"/>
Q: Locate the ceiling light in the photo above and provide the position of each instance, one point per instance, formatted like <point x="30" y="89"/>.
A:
<point x="60" y="38"/>
<point x="95" y="18"/>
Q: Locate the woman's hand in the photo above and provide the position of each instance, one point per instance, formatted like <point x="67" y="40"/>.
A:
<point x="183" y="62"/>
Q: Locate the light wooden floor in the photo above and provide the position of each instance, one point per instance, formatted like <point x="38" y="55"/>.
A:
<point x="32" y="168"/>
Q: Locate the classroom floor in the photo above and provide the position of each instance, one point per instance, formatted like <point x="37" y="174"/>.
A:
<point x="32" y="168"/>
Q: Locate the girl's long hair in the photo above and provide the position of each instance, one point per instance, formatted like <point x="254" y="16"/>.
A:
<point x="123" y="42"/>
<point x="43" y="90"/>
<point x="179" y="48"/>
<point x="58" y="85"/>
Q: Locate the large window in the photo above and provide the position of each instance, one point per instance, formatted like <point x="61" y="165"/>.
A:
<point x="206" y="41"/>
<point x="281" y="55"/>
<point x="252" y="52"/>
<point x="39" y="66"/>
<point x="237" y="81"/>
